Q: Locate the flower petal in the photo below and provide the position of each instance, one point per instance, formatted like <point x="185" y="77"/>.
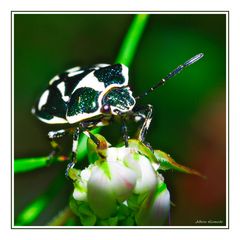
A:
<point x="123" y="180"/>
<point x="155" y="208"/>
<point x="101" y="198"/>
<point x="147" y="181"/>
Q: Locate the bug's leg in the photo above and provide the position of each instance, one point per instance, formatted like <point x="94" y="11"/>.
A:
<point x="125" y="132"/>
<point x="124" y="129"/>
<point x="74" y="151"/>
<point x="55" y="146"/>
<point x="146" y="115"/>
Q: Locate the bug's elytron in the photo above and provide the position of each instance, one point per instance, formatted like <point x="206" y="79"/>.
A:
<point x="84" y="98"/>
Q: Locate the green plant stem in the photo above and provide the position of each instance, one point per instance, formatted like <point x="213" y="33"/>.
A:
<point x="29" y="164"/>
<point x="132" y="39"/>
<point x="33" y="210"/>
<point x="62" y="217"/>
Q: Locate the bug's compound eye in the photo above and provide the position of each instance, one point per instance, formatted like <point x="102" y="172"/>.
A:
<point x="106" y="108"/>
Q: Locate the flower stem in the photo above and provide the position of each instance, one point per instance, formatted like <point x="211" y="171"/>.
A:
<point x="132" y="39"/>
<point x="29" y="164"/>
<point x="62" y="217"/>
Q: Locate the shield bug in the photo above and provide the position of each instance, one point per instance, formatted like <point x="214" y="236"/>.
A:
<point x="84" y="98"/>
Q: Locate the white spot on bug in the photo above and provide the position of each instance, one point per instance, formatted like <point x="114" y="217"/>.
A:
<point x="54" y="134"/>
<point x="100" y="124"/>
<point x="125" y="74"/>
<point x="54" y="79"/>
<point x="51" y="134"/>
<point x="137" y="118"/>
<point x="54" y="120"/>
<point x="101" y="65"/>
<point x="61" y="88"/>
<point x="66" y="98"/>
<point x="75" y="146"/>
<point x="43" y="99"/>
<point x="71" y="74"/>
<point x="33" y="110"/>
<point x="74" y="69"/>
<point x="90" y="81"/>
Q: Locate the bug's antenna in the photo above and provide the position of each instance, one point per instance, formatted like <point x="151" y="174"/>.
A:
<point x="172" y="74"/>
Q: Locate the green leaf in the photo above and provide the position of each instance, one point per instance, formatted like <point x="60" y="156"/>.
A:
<point x="113" y="221"/>
<point x="142" y="149"/>
<point x="167" y="163"/>
<point x="82" y="210"/>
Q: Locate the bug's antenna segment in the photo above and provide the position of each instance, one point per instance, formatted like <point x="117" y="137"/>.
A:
<point x="172" y="74"/>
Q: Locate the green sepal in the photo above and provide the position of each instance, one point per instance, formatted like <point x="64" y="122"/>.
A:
<point x="112" y="221"/>
<point x="104" y="166"/>
<point x="82" y="210"/>
<point x="167" y="163"/>
<point x="142" y="149"/>
<point x="95" y="153"/>
<point x="129" y="221"/>
<point x="132" y="202"/>
<point x="74" y="174"/>
<point x="123" y="212"/>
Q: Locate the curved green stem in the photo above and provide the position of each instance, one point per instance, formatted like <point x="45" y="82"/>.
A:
<point x="62" y="218"/>
<point x="29" y="164"/>
<point x="132" y="39"/>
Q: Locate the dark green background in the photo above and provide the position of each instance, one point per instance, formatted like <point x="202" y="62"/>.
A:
<point x="189" y="111"/>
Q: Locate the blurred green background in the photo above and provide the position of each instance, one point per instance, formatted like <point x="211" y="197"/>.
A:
<point x="189" y="119"/>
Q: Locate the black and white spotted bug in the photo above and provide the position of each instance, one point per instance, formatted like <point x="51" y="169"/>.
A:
<point x="84" y="98"/>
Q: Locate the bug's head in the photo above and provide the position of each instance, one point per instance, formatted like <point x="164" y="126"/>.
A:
<point x="118" y="100"/>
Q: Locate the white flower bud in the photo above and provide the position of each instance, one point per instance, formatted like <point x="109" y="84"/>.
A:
<point x="155" y="208"/>
<point x="112" y="180"/>
<point x="146" y="175"/>
<point x="100" y="196"/>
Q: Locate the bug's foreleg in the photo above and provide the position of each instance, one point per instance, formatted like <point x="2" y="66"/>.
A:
<point x="74" y="151"/>
<point x="52" y="135"/>
<point x="146" y="116"/>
